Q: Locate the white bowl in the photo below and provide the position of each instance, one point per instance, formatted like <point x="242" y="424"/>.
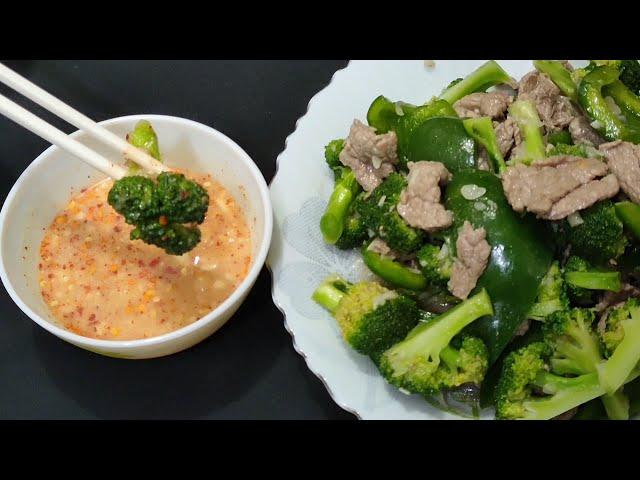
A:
<point x="46" y="186"/>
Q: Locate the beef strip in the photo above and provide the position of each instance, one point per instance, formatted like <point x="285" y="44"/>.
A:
<point x="582" y="132"/>
<point x="551" y="188"/>
<point x="371" y="157"/>
<point x="472" y="256"/>
<point x="508" y="135"/>
<point x="556" y="111"/>
<point x="492" y="104"/>
<point x="420" y="202"/>
<point x="623" y="159"/>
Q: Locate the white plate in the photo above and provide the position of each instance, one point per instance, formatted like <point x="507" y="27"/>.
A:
<point x="299" y="259"/>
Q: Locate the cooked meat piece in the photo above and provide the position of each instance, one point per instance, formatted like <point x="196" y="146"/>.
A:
<point x="380" y="246"/>
<point x="539" y="187"/>
<point x="507" y="134"/>
<point x="492" y="104"/>
<point x="420" y="202"/>
<point x="472" y="256"/>
<point x="371" y="157"/>
<point x="585" y="196"/>
<point x="556" y="111"/>
<point x="483" y="163"/>
<point x="582" y="132"/>
<point x="623" y="159"/>
<point x="612" y="299"/>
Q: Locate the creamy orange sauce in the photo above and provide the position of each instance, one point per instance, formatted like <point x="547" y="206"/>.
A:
<point x="100" y="284"/>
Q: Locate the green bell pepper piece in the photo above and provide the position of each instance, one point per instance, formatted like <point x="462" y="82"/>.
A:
<point x="445" y="140"/>
<point x="520" y="257"/>
<point x="629" y="214"/>
<point x="393" y="272"/>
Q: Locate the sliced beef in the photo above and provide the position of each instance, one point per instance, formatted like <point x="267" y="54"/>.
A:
<point x="508" y="135"/>
<point x="483" y="163"/>
<point x="552" y="188"/>
<point x="613" y="299"/>
<point x="371" y="157"/>
<point x="556" y="111"/>
<point x="623" y="159"/>
<point x="492" y="104"/>
<point x="582" y="132"/>
<point x="472" y="256"/>
<point x="420" y="202"/>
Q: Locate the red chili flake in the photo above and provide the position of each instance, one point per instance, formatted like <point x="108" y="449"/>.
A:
<point x="80" y="310"/>
<point x="171" y="270"/>
<point x="92" y="319"/>
<point x="83" y="190"/>
<point x="162" y="320"/>
<point x="123" y="261"/>
<point x="87" y="288"/>
<point x="163" y="220"/>
<point x="64" y="267"/>
<point x="154" y="262"/>
<point x="50" y="275"/>
<point x="140" y="263"/>
<point x="117" y="229"/>
<point x="39" y="265"/>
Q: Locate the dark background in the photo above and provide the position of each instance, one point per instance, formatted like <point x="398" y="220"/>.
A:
<point x="248" y="369"/>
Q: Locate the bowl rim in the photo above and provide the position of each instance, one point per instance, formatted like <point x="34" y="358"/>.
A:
<point x="220" y="310"/>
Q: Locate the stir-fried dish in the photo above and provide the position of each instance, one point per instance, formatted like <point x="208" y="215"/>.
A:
<point x="117" y="263"/>
<point x="502" y="222"/>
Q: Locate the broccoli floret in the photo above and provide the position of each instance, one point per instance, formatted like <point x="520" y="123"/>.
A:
<point x="378" y="211"/>
<point x="528" y="390"/>
<point x="173" y="238"/>
<point x="630" y="75"/>
<point x="143" y="136"/>
<point x="371" y="317"/>
<point x="559" y="75"/>
<point x="532" y="148"/>
<point x="487" y="75"/>
<point x="552" y="294"/>
<point x="436" y="262"/>
<point x="332" y="156"/>
<point x="134" y="197"/>
<point x="354" y="231"/>
<point x="583" y="281"/>
<point x="600" y="236"/>
<point x="621" y="340"/>
<point x="159" y="208"/>
<point x="581" y="150"/>
<point x="561" y="137"/>
<point x="338" y="208"/>
<point x="428" y="361"/>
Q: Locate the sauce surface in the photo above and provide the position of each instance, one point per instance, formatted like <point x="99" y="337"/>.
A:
<point x="98" y="283"/>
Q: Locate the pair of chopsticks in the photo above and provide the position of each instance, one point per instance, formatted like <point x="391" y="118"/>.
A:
<point x="57" y="137"/>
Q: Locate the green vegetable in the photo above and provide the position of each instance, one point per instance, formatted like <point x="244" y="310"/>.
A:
<point x="436" y="262"/>
<point x="403" y="118"/>
<point x="600" y="237"/>
<point x="335" y="216"/>
<point x="371" y="317"/>
<point x="559" y="75"/>
<point x="623" y="97"/>
<point x="520" y="256"/>
<point x="481" y="130"/>
<point x="629" y="214"/>
<point x="561" y="137"/>
<point x="621" y="340"/>
<point x="332" y="157"/>
<point x="526" y="116"/>
<point x="393" y="272"/>
<point x="427" y="360"/>
<point x="581" y="150"/>
<point x="144" y="137"/>
<point x="630" y="75"/>
<point x="354" y="231"/>
<point x="378" y="212"/>
<point x="159" y="208"/>
<point x="582" y="279"/>
<point x="484" y="77"/>
<point x="592" y="100"/>
<point x="552" y="295"/>
<point x="445" y="140"/>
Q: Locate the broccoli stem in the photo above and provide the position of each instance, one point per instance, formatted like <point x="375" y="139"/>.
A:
<point x="450" y="356"/>
<point x="393" y="272"/>
<point x="566" y="393"/>
<point x="541" y="310"/>
<point x="328" y="295"/>
<point x="558" y="75"/>
<point x="481" y="129"/>
<point x="526" y="116"/>
<point x="624" y="360"/>
<point x="333" y="220"/>
<point x="616" y="405"/>
<point x="629" y="214"/>
<point x="623" y="97"/>
<point x="595" y="280"/>
<point x="487" y="75"/>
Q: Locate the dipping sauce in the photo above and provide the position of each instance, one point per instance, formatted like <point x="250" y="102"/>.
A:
<point x="98" y="283"/>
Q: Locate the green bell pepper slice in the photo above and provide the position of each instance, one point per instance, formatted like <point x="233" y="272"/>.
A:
<point x="393" y="272"/>
<point x="520" y="256"/>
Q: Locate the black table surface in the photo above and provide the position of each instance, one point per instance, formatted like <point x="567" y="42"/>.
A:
<point x="246" y="370"/>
